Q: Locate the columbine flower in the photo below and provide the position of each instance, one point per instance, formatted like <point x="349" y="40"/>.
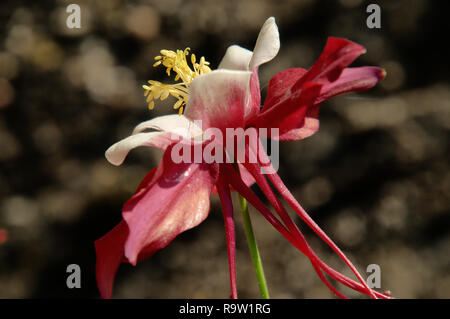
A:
<point x="174" y="197"/>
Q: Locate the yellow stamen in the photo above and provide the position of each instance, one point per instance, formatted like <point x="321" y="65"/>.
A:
<point x="177" y="62"/>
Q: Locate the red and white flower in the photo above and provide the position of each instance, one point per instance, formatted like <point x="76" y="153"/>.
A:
<point x="174" y="197"/>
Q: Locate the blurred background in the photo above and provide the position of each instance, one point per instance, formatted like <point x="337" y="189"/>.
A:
<point x="375" y="177"/>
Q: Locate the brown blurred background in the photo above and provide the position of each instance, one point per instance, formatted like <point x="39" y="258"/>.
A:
<point x="375" y="176"/>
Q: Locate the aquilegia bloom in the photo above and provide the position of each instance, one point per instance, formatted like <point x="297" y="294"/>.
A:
<point x="174" y="196"/>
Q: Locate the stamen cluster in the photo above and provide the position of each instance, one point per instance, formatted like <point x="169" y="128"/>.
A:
<point x="178" y="62"/>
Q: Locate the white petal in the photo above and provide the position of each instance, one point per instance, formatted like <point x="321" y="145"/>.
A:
<point x="236" y="58"/>
<point x="169" y="127"/>
<point x="267" y="44"/>
<point x="168" y="123"/>
<point x="218" y="98"/>
<point x="116" y="153"/>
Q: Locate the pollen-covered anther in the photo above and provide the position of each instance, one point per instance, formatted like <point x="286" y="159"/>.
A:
<point x="177" y="62"/>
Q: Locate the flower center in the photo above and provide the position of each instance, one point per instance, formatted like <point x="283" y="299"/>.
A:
<point x="176" y="61"/>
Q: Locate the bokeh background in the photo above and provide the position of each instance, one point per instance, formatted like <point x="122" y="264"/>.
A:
<point x="375" y="177"/>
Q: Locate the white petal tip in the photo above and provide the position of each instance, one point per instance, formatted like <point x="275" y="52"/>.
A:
<point x="112" y="157"/>
<point x="267" y="45"/>
<point x="236" y="58"/>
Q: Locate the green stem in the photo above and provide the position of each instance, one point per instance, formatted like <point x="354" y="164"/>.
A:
<point x="256" y="258"/>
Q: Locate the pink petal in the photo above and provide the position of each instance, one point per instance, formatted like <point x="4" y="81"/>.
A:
<point x="292" y="93"/>
<point x="307" y="127"/>
<point x="279" y="90"/>
<point x="290" y="113"/>
<point x="280" y="85"/>
<point x="219" y="98"/>
<point x="352" y="80"/>
<point x="110" y="254"/>
<point x="110" y="248"/>
<point x="175" y="201"/>
<point x="336" y="56"/>
<point x="246" y="177"/>
<point x="227" y="208"/>
<point x="237" y="58"/>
